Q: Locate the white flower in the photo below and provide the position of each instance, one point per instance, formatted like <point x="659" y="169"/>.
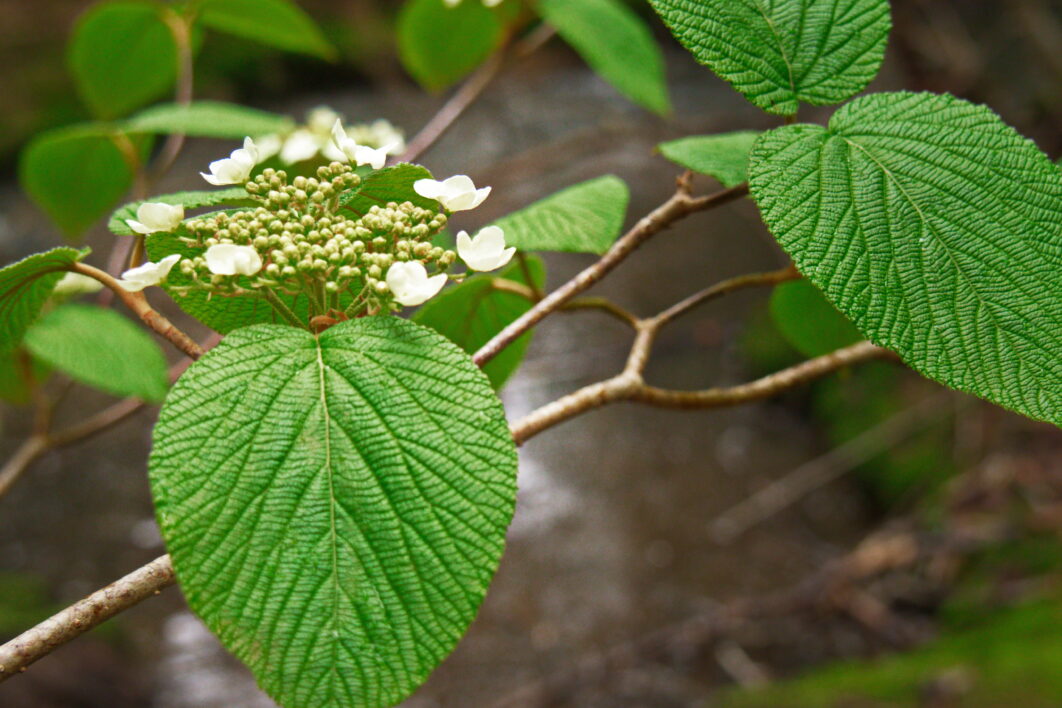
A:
<point x="358" y="154"/>
<point x="268" y="146"/>
<point x="230" y="259"/>
<point x="73" y="284"/>
<point x="156" y="216"/>
<point x="136" y="279"/>
<point x="486" y="251"/>
<point x="409" y="282"/>
<point x="457" y="193"/>
<point x="320" y="120"/>
<point x="300" y="145"/>
<point x="236" y="168"/>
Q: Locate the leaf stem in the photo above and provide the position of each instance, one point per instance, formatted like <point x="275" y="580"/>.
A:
<point x="281" y="308"/>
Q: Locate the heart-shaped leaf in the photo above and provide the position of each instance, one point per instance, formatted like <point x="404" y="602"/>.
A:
<point x="335" y="505"/>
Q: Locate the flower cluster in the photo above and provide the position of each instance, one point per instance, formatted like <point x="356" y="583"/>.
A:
<point x="317" y="137"/>
<point x="300" y="243"/>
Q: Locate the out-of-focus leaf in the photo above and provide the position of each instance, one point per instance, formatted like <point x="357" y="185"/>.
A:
<point x="123" y="56"/>
<point x="102" y="349"/>
<point x="439" y="45"/>
<point x="277" y="23"/>
<point x="583" y="218"/>
<point x="78" y="174"/>
<point x="24" y="288"/>
<point x="616" y="43"/>
<point x="725" y="157"/>
<point x="208" y="119"/>
<point x="808" y="320"/>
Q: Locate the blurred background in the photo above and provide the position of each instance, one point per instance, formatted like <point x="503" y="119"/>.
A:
<point x="914" y="557"/>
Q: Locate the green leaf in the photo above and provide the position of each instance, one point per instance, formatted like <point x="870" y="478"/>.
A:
<point x="335" y="506"/>
<point x="470" y="314"/>
<point x="440" y="45"/>
<point x="208" y="119"/>
<point x="123" y="56"/>
<point x="937" y="229"/>
<point x="24" y="288"/>
<point x="102" y="349"/>
<point x="779" y="53"/>
<point x="584" y="218"/>
<point x="808" y="321"/>
<point x="616" y="43"/>
<point x="77" y="175"/>
<point x="277" y="23"/>
<point x="391" y="184"/>
<point x="234" y="196"/>
<point x="725" y="157"/>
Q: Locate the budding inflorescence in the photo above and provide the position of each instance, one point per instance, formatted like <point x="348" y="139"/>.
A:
<point x="299" y="242"/>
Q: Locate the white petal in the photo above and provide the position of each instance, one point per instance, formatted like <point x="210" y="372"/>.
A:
<point x="166" y="265"/>
<point x="251" y="149"/>
<point x="428" y="188"/>
<point x="139" y="228"/>
<point x="158" y="216"/>
<point x="300" y="145"/>
<point x="457" y="185"/>
<point x="492" y="3"/>
<point x="230" y="259"/>
<point x="213" y="180"/>
<point x="364" y="155"/>
<point x="268" y="146"/>
<point x="320" y="119"/>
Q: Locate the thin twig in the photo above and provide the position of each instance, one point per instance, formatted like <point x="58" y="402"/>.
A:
<point x="82" y="616"/>
<point x="629" y="386"/>
<point x="180" y="28"/>
<point x="678" y="206"/>
<point x="31" y="448"/>
<point x="139" y="305"/>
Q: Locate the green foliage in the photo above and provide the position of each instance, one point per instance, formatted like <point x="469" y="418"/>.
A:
<point x="440" y="45"/>
<point x="123" y="56"/>
<point x="808" y="320"/>
<point x="473" y="312"/>
<point x="208" y="119"/>
<point x="616" y="43"/>
<point x="584" y="218"/>
<point x="335" y="505"/>
<point x="277" y="23"/>
<point x="233" y="196"/>
<point x="725" y="157"/>
<point x="24" y="288"/>
<point x="78" y="174"/>
<point x="935" y="228"/>
<point x="1011" y="660"/>
<point x="391" y="184"/>
<point x="102" y="349"/>
<point x="782" y="52"/>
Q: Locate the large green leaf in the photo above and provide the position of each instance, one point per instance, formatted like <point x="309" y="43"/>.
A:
<point x="24" y="288"/>
<point x="808" y="321"/>
<point x="584" y="218"/>
<point x="439" y="45"/>
<point x="725" y="157"/>
<point x="391" y="184"/>
<point x="277" y="23"/>
<point x="473" y="312"/>
<point x="102" y="349"/>
<point x="76" y="175"/>
<point x="123" y="55"/>
<point x="208" y="119"/>
<point x="779" y="53"/>
<point x="616" y="43"/>
<point x="335" y="506"/>
<point x="233" y="196"/>
<point x="937" y="229"/>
